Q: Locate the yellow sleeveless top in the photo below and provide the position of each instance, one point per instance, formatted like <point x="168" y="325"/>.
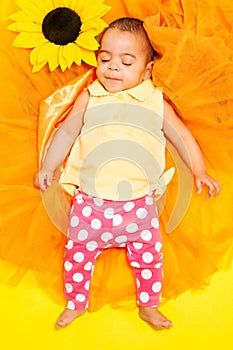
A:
<point x="120" y="153"/>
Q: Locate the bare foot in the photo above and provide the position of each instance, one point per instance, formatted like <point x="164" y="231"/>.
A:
<point x="154" y="317"/>
<point x="68" y="316"/>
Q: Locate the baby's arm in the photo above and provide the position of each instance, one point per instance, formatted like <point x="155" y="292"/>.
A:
<point x="62" y="142"/>
<point x="182" y="139"/>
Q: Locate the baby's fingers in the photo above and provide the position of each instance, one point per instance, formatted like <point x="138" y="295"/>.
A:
<point x="217" y="187"/>
<point x="42" y="181"/>
<point x="214" y="188"/>
<point x="198" y="186"/>
<point x="45" y="182"/>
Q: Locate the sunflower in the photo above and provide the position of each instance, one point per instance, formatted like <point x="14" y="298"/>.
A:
<point x="59" y="32"/>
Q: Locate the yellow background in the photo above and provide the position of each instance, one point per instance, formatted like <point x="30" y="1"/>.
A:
<point x="202" y="320"/>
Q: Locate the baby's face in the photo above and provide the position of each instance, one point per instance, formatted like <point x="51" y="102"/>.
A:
<point x="122" y="60"/>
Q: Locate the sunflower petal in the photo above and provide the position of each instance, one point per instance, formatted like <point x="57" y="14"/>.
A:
<point x="29" y="40"/>
<point x="73" y="4"/>
<point x="34" y="54"/>
<point x="87" y="41"/>
<point x="47" y="50"/>
<point x="25" y="26"/>
<point x="96" y="25"/>
<point x="38" y="66"/>
<point x="53" y="62"/>
<point x="69" y="54"/>
<point x="89" y="57"/>
<point x="77" y="54"/>
<point x="90" y="12"/>
<point x="79" y="5"/>
<point x="18" y="16"/>
<point x="60" y="3"/>
<point x="31" y="9"/>
<point x="61" y="59"/>
<point x="46" y="5"/>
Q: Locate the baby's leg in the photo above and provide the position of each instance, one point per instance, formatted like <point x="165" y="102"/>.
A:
<point x="146" y="258"/>
<point x="78" y="266"/>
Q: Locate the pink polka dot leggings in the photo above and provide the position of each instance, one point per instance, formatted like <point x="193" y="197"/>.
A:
<point x="97" y="224"/>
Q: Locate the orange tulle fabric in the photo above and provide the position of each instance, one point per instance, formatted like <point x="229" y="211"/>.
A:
<point x="194" y="68"/>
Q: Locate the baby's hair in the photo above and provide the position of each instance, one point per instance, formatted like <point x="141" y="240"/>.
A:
<point x="134" y="25"/>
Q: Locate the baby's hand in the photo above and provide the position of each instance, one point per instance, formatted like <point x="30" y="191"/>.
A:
<point x="43" y="179"/>
<point x="204" y="179"/>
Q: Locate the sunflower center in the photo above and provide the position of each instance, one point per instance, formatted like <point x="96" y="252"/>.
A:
<point x="61" y="26"/>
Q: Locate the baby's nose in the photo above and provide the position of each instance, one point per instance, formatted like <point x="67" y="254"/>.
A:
<point x="113" y="66"/>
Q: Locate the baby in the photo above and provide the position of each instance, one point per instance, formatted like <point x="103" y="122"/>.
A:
<point x="99" y="218"/>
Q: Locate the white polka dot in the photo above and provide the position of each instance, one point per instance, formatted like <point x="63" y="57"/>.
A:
<point x="108" y="213"/>
<point x="79" y="257"/>
<point x="141" y="213"/>
<point x="144" y="297"/>
<point x="87" y="285"/>
<point x="74" y="221"/>
<point x="137" y="245"/>
<point x="68" y="266"/>
<point x="156" y="287"/>
<point x="79" y="199"/>
<point x="69" y="244"/>
<point x="98" y="202"/>
<point x="149" y="200"/>
<point x="68" y="287"/>
<point x="131" y="228"/>
<point x="147" y="257"/>
<point x="146" y="235"/>
<point x="106" y="236"/>
<point x="129" y="206"/>
<point x="117" y="220"/>
<point x="91" y="246"/>
<point x="158" y="246"/>
<point x="80" y="297"/>
<point x="146" y="274"/>
<point x="70" y="305"/>
<point x="158" y="265"/>
<point x="96" y="224"/>
<point x="87" y="211"/>
<point x="82" y="235"/>
<point x="155" y="223"/>
<point x="78" y="277"/>
<point x="135" y="264"/>
<point x="121" y="239"/>
<point x="88" y="266"/>
<point x="138" y="282"/>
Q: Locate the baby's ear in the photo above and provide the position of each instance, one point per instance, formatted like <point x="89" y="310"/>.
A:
<point x="148" y="70"/>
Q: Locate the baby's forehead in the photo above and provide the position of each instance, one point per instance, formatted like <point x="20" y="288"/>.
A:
<point x="117" y="31"/>
<point x="121" y="38"/>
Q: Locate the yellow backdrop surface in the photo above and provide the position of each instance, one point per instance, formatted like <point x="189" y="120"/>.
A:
<point x="202" y="320"/>
<point x="195" y="70"/>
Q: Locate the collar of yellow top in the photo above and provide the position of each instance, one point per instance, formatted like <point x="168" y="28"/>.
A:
<point x="139" y="92"/>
